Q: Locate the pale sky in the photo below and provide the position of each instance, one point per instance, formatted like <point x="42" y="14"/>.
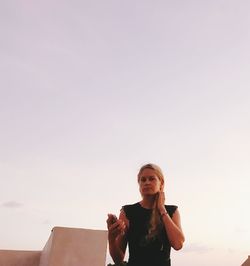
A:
<point x="91" y="90"/>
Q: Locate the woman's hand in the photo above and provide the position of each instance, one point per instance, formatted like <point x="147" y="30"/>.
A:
<point x="160" y="204"/>
<point x="115" y="227"/>
<point x="117" y="237"/>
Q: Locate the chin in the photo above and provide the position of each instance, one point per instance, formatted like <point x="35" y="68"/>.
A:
<point x="148" y="194"/>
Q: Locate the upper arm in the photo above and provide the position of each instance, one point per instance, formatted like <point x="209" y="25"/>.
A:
<point x="176" y="218"/>
<point x="177" y="221"/>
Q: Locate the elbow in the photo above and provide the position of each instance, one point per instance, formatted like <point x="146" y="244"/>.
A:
<point x="178" y="244"/>
<point x="117" y="258"/>
<point x="117" y="261"/>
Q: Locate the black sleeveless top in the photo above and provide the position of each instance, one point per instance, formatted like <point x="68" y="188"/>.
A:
<point x="143" y="252"/>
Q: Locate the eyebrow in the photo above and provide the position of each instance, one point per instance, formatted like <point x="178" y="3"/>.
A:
<point x="147" y="176"/>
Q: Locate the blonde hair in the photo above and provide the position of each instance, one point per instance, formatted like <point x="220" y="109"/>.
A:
<point x="155" y="223"/>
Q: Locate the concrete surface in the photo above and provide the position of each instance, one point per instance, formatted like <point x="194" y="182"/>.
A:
<point x="65" y="247"/>
<point x="19" y="258"/>
<point x="75" y="247"/>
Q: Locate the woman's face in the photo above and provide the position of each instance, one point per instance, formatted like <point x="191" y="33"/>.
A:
<point x="149" y="182"/>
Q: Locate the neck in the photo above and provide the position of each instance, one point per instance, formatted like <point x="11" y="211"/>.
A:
<point x="148" y="202"/>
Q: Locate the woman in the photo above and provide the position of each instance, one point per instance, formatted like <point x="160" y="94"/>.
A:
<point x="149" y="227"/>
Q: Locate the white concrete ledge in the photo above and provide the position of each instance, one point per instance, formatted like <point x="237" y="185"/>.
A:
<point x="75" y="247"/>
<point x="19" y="258"/>
<point x="65" y="247"/>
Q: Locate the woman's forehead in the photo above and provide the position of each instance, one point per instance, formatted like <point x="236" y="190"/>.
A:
<point x="148" y="172"/>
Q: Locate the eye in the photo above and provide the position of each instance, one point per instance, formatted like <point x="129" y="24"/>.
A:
<point x="151" y="178"/>
<point x="143" y="179"/>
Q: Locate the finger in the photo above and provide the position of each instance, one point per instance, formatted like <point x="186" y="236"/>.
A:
<point x="115" y="232"/>
<point x="119" y="225"/>
<point x="157" y="197"/>
<point x="162" y="195"/>
<point x="111" y="219"/>
<point x="111" y="216"/>
<point x="116" y="225"/>
<point x="112" y="226"/>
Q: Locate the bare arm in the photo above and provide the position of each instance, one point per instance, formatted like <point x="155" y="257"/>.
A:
<point x="117" y="237"/>
<point x="172" y="225"/>
<point x="173" y="229"/>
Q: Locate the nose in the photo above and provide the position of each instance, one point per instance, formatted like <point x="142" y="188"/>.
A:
<point x="147" y="181"/>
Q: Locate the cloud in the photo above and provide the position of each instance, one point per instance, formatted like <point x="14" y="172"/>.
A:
<point x="197" y="248"/>
<point x="11" y="204"/>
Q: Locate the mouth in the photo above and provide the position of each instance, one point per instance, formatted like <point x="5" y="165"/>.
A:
<point x="146" y="188"/>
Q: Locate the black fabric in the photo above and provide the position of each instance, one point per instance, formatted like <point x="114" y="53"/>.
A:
<point x="143" y="252"/>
